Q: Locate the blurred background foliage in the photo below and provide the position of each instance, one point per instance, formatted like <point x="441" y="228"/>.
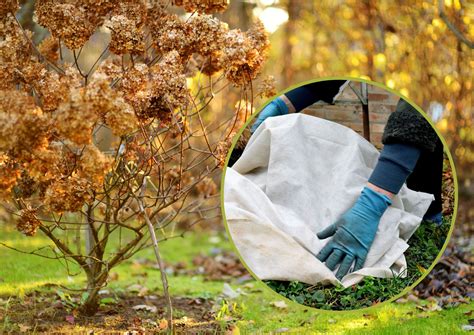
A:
<point x="423" y="49"/>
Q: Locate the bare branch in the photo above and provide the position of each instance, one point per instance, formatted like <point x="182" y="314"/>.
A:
<point x="452" y="27"/>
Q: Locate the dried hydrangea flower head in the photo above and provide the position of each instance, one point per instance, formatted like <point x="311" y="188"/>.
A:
<point x="49" y="48"/>
<point x="171" y="91"/>
<point x="202" y="6"/>
<point x="266" y="88"/>
<point x="23" y="125"/>
<point x="126" y="24"/>
<point x="97" y="10"/>
<point x="207" y="187"/>
<point x="156" y="91"/>
<point x="67" y="195"/>
<point x="65" y="21"/>
<point x="170" y="33"/>
<point x="8" y="7"/>
<point x="207" y="34"/>
<point x="243" y="111"/>
<point x="244" y="53"/>
<point x="9" y="174"/>
<point x="15" y="51"/>
<point x="27" y="222"/>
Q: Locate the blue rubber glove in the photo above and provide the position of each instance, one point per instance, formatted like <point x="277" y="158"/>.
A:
<point x="353" y="233"/>
<point x="275" y="108"/>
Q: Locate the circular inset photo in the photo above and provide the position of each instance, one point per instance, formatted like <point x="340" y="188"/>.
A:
<point x="339" y="194"/>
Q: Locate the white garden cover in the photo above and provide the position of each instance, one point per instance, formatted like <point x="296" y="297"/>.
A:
<point x="297" y="175"/>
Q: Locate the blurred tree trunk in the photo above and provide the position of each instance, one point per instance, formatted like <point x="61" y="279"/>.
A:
<point x="293" y="9"/>
<point x="370" y="45"/>
<point x="25" y="16"/>
<point x="238" y="14"/>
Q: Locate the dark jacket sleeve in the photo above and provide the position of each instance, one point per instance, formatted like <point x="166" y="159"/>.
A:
<point x="304" y="96"/>
<point x="407" y="126"/>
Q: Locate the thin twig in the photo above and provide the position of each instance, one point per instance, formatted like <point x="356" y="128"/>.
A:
<point x="161" y="264"/>
<point x="460" y="36"/>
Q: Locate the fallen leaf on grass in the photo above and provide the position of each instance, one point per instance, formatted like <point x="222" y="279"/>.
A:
<point x="431" y="307"/>
<point x="229" y="292"/>
<point x="163" y="324"/>
<point x="244" y="278"/>
<point x="70" y="319"/>
<point x="196" y="301"/>
<point x="450" y="280"/>
<point x="147" y="308"/>
<point x="279" y="304"/>
<point x="467" y="328"/>
<point x="233" y="330"/>
<point x="150" y="322"/>
<point x="135" y="288"/>
<point x="24" y="328"/>
<point x="281" y="330"/>
<point x="222" y="266"/>
<point x="143" y="292"/>
<point x="413" y="298"/>
<point x="214" y="239"/>
<point x="310" y="320"/>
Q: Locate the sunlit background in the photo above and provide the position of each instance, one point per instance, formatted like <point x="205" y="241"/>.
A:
<point x="409" y="47"/>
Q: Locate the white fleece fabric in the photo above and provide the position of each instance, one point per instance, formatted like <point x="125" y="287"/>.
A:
<point x="297" y="175"/>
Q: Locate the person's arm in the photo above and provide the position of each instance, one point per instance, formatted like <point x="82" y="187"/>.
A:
<point x="298" y="99"/>
<point x="304" y="96"/>
<point x="354" y="232"/>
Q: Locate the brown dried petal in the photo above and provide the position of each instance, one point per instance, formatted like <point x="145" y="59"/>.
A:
<point x="67" y="195"/>
<point x="8" y="6"/>
<point x="28" y="223"/>
<point x="65" y="21"/>
<point x="49" y="48"/>
<point x="202" y="6"/>
<point x="74" y="119"/>
<point x="9" y="173"/>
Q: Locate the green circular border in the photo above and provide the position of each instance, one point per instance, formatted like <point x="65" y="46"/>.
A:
<point x="453" y="220"/>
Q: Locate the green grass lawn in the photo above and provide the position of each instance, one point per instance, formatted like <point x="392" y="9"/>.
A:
<point x="251" y="312"/>
<point x="21" y="273"/>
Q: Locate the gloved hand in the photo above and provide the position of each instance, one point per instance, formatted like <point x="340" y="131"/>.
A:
<point x="353" y="233"/>
<point x="274" y="108"/>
